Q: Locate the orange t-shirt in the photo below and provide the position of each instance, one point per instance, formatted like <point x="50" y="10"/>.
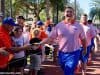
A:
<point x="5" y="41"/>
<point x="43" y="35"/>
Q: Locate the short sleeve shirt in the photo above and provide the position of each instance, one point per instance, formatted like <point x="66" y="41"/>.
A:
<point x="5" y="39"/>
<point x="68" y="36"/>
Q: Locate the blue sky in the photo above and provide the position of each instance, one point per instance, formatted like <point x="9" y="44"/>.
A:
<point x="84" y="4"/>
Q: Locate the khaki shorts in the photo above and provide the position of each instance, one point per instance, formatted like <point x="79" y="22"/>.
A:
<point x="35" y="62"/>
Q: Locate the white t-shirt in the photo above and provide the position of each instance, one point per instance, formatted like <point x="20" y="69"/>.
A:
<point x="19" y="42"/>
<point x="89" y="34"/>
<point x="26" y="36"/>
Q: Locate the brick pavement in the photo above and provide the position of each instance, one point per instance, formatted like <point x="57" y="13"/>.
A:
<point x="52" y="68"/>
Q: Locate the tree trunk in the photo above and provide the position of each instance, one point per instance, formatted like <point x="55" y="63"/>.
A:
<point x="3" y="7"/>
<point x="47" y="8"/>
<point x="11" y="9"/>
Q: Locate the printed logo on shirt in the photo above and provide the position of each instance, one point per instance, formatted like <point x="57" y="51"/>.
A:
<point x="75" y="28"/>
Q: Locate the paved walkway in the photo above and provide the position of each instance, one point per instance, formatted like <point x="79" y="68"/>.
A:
<point x="52" y="68"/>
<point x="94" y="69"/>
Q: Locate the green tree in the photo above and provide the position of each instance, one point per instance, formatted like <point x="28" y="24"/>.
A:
<point x="47" y="9"/>
<point x="95" y="9"/>
<point x="2" y="7"/>
<point x="79" y="10"/>
<point x="36" y="6"/>
<point x="56" y="7"/>
<point x="18" y="6"/>
<point x="23" y="6"/>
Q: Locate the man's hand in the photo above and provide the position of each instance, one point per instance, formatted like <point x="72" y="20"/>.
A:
<point x="25" y="47"/>
<point x="3" y="52"/>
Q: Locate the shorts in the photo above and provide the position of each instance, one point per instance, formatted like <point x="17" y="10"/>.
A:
<point x="19" y="62"/>
<point x="47" y="50"/>
<point x="35" y="62"/>
<point x="68" y="61"/>
<point x="92" y="43"/>
<point x="84" y="58"/>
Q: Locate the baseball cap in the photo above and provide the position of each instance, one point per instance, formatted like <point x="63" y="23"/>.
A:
<point x="20" y="17"/>
<point x="40" y="23"/>
<point x="9" y="21"/>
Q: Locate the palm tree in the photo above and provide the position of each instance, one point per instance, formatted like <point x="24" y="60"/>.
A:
<point x="92" y="13"/>
<point x="95" y="3"/>
<point x="95" y="10"/>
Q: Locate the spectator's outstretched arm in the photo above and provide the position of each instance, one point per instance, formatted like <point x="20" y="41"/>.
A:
<point x="46" y="41"/>
<point x="26" y="47"/>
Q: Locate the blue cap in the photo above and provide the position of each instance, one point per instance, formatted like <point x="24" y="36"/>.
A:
<point x="49" y="29"/>
<point x="40" y="23"/>
<point x="9" y="21"/>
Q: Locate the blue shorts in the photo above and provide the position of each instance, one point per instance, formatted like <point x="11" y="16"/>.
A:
<point x="69" y="61"/>
<point x="92" y="43"/>
<point x="84" y="58"/>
